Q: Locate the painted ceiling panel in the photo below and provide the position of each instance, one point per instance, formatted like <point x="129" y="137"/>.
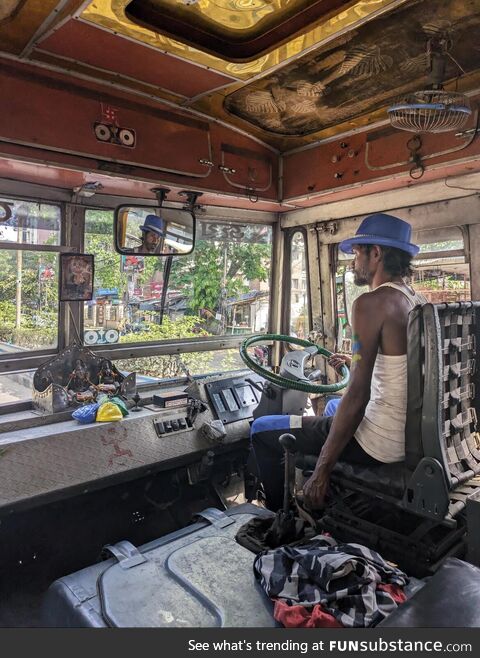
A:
<point x="237" y="30"/>
<point x="110" y="14"/>
<point x="362" y="70"/>
<point x="82" y="42"/>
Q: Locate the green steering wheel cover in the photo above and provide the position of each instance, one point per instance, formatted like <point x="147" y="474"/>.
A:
<point x="284" y="382"/>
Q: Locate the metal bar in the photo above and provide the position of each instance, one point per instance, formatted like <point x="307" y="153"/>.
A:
<point x="133" y="351"/>
<point x="43" y="28"/>
<point x="29" y="191"/>
<point x="426" y="255"/>
<point x="18" y="362"/>
<point x="474" y="236"/>
<point x="425" y="211"/>
<point x="24" y="246"/>
<point x="117" y="76"/>
<point x="277" y="283"/>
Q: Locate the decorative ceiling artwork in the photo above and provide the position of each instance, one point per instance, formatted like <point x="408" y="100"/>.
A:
<point x="111" y="15"/>
<point x="8" y="8"/>
<point x="237" y="30"/>
<point x="361" y="70"/>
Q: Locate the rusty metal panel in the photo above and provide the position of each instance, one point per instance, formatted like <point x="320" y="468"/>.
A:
<point x="107" y="52"/>
<point x="247" y="170"/>
<point x="360" y="158"/>
<point x="168" y="145"/>
<point x="64" y="116"/>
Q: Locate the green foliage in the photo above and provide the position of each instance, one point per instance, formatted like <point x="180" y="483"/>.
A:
<point x="170" y="365"/>
<point x="173" y="365"/>
<point x="7" y="315"/>
<point x="219" y="270"/>
<point x="441" y="283"/>
<point x="39" y="300"/>
<point x="189" y="326"/>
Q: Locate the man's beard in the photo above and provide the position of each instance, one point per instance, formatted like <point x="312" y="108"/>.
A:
<point x="361" y="278"/>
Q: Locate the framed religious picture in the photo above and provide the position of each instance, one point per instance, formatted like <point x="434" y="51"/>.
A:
<point x="76" y="277"/>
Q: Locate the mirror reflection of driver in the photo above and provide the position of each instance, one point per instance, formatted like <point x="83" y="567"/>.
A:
<point x="153" y="236"/>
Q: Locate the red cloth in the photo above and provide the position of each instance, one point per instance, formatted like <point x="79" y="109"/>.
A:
<point x="396" y="592"/>
<point x="296" y="616"/>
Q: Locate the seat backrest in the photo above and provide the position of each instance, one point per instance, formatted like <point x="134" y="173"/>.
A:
<point x="443" y="388"/>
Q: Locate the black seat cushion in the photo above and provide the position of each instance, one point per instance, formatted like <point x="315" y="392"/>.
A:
<point x="389" y="479"/>
<point x="451" y="598"/>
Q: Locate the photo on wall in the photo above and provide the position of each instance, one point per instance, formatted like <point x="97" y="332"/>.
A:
<point x="76" y="277"/>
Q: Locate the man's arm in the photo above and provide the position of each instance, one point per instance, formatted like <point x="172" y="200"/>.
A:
<point x="367" y="320"/>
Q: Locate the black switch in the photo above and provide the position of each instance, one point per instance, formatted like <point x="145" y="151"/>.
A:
<point x="160" y="427"/>
<point x="168" y="426"/>
<point x="175" y="426"/>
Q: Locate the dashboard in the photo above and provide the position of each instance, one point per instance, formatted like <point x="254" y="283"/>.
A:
<point x="47" y="458"/>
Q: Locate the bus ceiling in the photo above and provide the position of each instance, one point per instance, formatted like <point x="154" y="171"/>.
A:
<point x="308" y="115"/>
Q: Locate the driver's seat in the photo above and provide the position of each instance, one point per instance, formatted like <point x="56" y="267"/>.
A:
<point x="442" y="462"/>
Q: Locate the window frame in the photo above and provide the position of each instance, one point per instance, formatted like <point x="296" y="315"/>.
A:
<point x="33" y="358"/>
<point x="287" y="277"/>
<point x="70" y="317"/>
<point x="421" y="256"/>
<point x="178" y="345"/>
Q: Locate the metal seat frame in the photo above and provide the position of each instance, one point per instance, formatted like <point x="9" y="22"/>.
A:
<point x="442" y="465"/>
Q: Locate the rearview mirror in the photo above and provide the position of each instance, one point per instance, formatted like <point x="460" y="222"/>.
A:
<point x="149" y="231"/>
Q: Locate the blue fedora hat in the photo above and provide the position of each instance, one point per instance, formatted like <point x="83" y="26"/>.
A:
<point x="384" y="230"/>
<point x="154" y="224"/>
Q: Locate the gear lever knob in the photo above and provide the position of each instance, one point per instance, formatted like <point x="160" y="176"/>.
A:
<point x="288" y="442"/>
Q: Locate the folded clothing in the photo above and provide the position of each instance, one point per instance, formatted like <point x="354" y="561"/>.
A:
<point x="346" y="580"/>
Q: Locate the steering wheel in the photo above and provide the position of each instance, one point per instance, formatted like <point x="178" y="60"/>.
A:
<point x="302" y="384"/>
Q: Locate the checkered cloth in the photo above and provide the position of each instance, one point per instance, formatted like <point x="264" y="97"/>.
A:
<point x="343" y="578"/>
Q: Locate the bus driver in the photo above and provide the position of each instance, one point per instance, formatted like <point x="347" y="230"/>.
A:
<point x="153" y="236"/>
<point x="369" y="425"/>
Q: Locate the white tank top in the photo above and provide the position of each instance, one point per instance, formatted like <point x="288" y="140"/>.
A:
<point x="381" y="432"/>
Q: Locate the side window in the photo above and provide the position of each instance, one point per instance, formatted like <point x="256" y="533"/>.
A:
<point x="346" y="293"/>
<point x="441" y="273"/>
<point x="441" y="269"/>
<point x="299" y="318"/>
<point x="29" y="276"/>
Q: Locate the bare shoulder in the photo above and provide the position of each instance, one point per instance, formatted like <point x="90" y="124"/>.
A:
<point x="368" y="309"/>
<point x="379" y="306"/>
<point x="365" y="301"/>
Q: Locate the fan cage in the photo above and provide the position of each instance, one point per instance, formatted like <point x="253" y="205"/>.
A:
<point x="430" y="111"/>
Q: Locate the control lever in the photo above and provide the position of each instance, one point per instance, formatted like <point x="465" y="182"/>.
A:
<point x="256" y="385"/>
<point x="288" y="443"/>
<point x="194" y="408"/>
<point x="266" y="388"/>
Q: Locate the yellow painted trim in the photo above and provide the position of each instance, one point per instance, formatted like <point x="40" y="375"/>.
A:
<point x="110" y="14"/>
